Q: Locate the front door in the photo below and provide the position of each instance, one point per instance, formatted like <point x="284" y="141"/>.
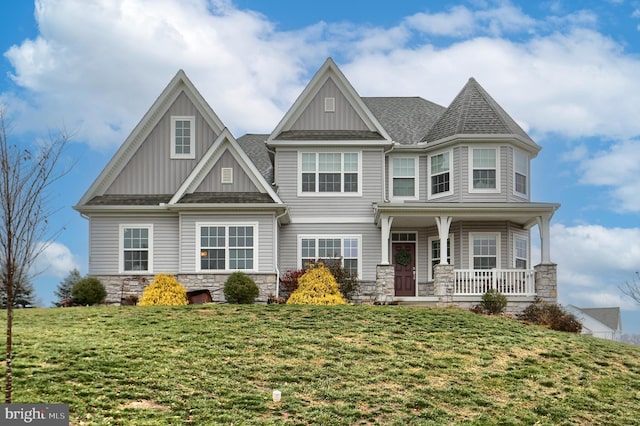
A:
<point x="404" y="261"/>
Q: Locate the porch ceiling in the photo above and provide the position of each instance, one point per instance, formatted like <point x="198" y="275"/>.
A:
<point x="424" y="214"/>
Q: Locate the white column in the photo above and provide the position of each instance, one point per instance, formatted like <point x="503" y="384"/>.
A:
<point x="545" y="238"/>
<point x="384" y="238"/>
<point x="444" y="223"/>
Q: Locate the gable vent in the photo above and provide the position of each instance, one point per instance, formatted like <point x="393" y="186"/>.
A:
<point x="329" y="104"/>
<point x="227" y="175"/>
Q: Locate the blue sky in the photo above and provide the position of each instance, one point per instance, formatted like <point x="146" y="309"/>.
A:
<point x="566" y="71"/>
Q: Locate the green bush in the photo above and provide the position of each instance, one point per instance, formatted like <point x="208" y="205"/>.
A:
<point x="240" y="288"/>
<point x="550" y="315"/>
<point x="89" y="291"/>
<point x="493" y="302"/>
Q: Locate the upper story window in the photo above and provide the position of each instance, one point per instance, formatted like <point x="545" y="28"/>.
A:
<point x="520" y="252"/>
<point x="403" y="176"/>
<point x="227" y="247"/>
<point x="484" y="251"/>
<point x="328" y="248"/>
<point x="521" y="172"/>
<point x="440" y="174"/>
<point x="136" y="253"/>
<point x="183" y="137"/>
<point x="329" y="173"/>
<point x="484" y="173"/>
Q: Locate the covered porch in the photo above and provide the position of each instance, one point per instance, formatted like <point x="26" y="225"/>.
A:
<point x="442" y="277"/>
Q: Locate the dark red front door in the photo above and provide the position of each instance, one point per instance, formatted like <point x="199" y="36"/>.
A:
<point x="404" y="260"/>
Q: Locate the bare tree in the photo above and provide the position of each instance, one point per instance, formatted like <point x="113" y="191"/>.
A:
<point x="632" y="288"/>
<point x="26" y="176"/>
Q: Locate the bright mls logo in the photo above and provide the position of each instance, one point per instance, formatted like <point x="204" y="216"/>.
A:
<point x="34" y="414"/>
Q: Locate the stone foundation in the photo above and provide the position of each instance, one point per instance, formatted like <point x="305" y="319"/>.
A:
<point x="120" y="286"/>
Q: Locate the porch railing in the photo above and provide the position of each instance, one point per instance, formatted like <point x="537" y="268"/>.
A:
<point x="506" y="281"/>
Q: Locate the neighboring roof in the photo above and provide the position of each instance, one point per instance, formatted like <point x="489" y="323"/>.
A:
<point x="607" y="316"/>
<point x="255" y="148"/>
<point x="474" y="112"/>
<point x="406" y="119"/>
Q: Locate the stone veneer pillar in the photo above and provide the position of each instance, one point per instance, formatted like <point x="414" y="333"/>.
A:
<point x="443" y="283"/>
<point x="385" y="277"/>
<point x="546" y="276"/>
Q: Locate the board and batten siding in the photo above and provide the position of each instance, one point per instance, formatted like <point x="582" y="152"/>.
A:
<point x="369" y="251"/>
<point x="241" y="180"/>
<point x="266" y="234"/>
<point x="341" y="205"/>
<point x="104" y="242"/>
<point x="151" y="170"/>
<point x="314" y="117"/>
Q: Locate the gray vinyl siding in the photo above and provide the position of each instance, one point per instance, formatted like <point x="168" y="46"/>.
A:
<point x="241" y="180"/>
<point x="314" y="117"/>
<point x="507" y="231"/>
<point x="463" y="168"/>
<point x="151" y="170"/>
<point x="370" y="254"/>
<point x="287" y="177"/>
<point x="104" y="243"/>
<point x="188" y="241"/>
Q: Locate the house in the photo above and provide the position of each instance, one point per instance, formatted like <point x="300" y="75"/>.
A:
<point x="425" y="203"/>
<point x="605" y="323"/>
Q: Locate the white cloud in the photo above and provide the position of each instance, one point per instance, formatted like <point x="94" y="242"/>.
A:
<point x="55" y="261"/>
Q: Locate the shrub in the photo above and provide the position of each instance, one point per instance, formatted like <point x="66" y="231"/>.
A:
<point x="164" y="290"/>
<point x="550" y="315"/>
<point x="317" y="287"/>
<point x="289" y="280"/>
<point x="348" y="283"/>
<point x="89" y="291"/>
<point x="493" y="302"/>
<point x="240" y="288"/>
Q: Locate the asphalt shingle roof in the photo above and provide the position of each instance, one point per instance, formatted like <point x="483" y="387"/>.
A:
<point x="255" y="148"/>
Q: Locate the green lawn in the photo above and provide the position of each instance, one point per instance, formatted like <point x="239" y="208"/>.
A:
<point x="218" y="364"/>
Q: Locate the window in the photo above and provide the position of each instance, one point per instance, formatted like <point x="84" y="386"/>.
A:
<point x="485" y="169"/>
<point x="434" y="253"/>
<point x="521" y="252"/>
<point x="329" y="172"/>
<point x="227" y="247"/>
<point x="136" y="252"/>
<point x="521" y="171"/>
<point x="484" y="252"/>
<point x="183" y="137"/>
<point x="331" y="248"/>
<point x="440" y="174"/>
<point x="404" y="177"/>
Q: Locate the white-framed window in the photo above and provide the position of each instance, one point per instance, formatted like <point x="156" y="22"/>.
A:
<point x="434" y="253"/>
<point x="183" y="137"/>
<point x="520" y="252"/>
<point x="403" y="177"/>
<point x="327" y="248"/>
<point x="329" y="173"/>
<point x="484" y="173"/>
<point x="440" y="179"/>
<point x="485" y="250"/>
<point x="227" y="247"/>
<point x="521" y="173"/>
<point x="136" y="248"/>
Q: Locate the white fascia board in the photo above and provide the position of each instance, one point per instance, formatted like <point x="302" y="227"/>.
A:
<point x="320" y="143"/>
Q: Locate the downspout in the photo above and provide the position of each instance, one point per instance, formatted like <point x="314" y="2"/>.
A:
<point x="277" y="251"/>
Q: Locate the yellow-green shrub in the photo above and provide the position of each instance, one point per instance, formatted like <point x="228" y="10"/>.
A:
<point x="164" y="290"/>
<point x="317" y="287"/>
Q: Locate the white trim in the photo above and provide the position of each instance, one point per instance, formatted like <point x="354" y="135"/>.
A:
<point x="416" y="180"/>
<point x="329" y="104"/>
<point x="515" y="255"/>
<point x="317" y="172"/>
<point x="335" y="219"/>
<point x="517" y="152"/>
<point x="473" y="235"/>
<point x="497" y="168"/>
<point x="226" y="175"/>
<point x="192" y="137"/>
<point x="430" y="256"/>
<point x="416" y="249"/>
<point x="226" y="225"/>
<point x="430" y="195"/>
<point x="342" y="237"/>
<point x="121" y="229"/>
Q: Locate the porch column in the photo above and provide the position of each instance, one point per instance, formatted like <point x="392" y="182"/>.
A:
<point x="545" y="238"/>
<point x="444" y="223"/>
<point x="384" y="238"/>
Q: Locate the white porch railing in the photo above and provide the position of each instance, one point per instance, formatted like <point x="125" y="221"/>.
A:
<point x="506" y="281"/>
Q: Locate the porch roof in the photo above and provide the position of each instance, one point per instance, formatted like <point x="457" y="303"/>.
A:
<point x="424" y="214"/>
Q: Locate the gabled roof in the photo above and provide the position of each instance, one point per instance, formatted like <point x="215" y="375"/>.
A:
<point x="607" y="316"/>
<point x="329" y="70"/>
<point x="475" y="112"/>
<point x="253" y="145"/>
<point x="179" y="84"/>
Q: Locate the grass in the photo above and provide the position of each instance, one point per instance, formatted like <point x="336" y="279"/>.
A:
<point x="218" y="364"/>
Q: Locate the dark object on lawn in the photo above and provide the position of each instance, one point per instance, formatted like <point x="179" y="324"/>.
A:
<point x="66" y="303"/>
<point x="198" y="297"/>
